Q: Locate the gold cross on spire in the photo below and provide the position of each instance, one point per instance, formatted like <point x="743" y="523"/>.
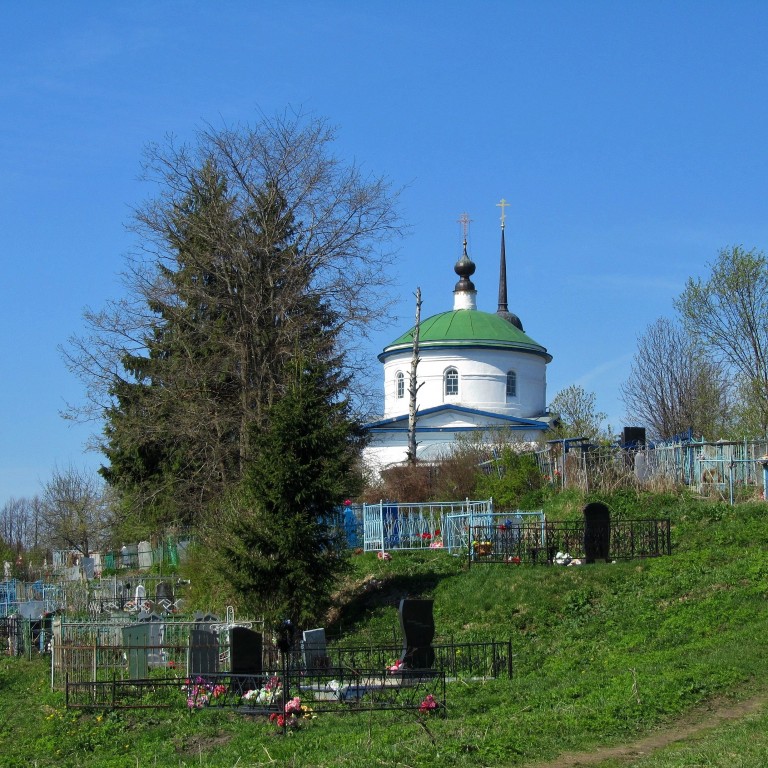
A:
<point x="503" y="204"/>
<point x="465" y="221"/>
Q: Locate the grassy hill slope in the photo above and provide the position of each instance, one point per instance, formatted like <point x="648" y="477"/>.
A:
<point x="603" y="655"/>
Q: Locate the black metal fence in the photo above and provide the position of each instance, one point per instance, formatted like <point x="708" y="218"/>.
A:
<point x="539" y="544"/>
<point x="20" y="636"/>
<point x="466" y="660"/>
<point x="319" y="690"/>
<point x="105" y="676"/>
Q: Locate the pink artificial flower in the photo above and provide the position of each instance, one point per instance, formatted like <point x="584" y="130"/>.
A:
<point x="293" y="707"/>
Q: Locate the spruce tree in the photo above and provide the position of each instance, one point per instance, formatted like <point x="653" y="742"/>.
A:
<point x="230" y="309"/>
<point x="257" y="242"/>
<point x="283" y="554"/>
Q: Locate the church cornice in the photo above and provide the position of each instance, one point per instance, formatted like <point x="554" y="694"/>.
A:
<point x="464" y="345"/>
<point x="504" y="420"/>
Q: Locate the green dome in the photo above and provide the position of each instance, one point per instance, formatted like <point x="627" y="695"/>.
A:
<point x="467" y="328"/>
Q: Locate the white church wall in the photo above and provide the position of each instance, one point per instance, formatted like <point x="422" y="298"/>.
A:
<point x="387" y="449"/>
<point x="482" y="381"/>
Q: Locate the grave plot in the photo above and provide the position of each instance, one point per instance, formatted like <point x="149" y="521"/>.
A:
<point x="134" y="665"/>
<point x="596" y="537"/>
<point x="330" y="690"/>
<point x="436" y="526"/>
<point x="130" y="648"/>
<point x="133" y="593"/>
<point x="409" y="526"/>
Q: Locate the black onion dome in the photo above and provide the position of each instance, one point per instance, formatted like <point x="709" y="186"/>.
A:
<point x="465" y="268"/>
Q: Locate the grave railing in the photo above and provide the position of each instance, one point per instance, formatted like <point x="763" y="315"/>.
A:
<point x="484" y="659"/>
<point x="101" y="663"/>
<point x="539" y="544"/>
<point x="94" y="651"/>
<point x="326" y="690"/>
<point x="402" y="525"/>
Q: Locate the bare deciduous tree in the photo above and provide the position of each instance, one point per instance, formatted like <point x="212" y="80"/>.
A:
<point x="674" y="386"/>
<point x="74" y="511"/>
<point x="578" y="414"/>
<point x="20" y="523"/>
<point x="728" y="314"/>
<point x="259" y="244"/>
<point x="413" y="386"/>
<point x="344" y="220"/>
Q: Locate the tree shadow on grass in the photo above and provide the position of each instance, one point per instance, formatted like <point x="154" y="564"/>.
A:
<point x="355" y="607"/>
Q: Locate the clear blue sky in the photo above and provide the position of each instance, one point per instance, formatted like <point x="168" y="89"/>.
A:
<point x="629" y="137"/>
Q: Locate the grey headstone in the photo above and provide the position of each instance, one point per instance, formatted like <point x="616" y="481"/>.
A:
<point x="314" y="649"/>
<point x="156" y="656"/>
<point x="144" y="554"/>
<point x="136" y="642"/>
<point x="88" y="564"/>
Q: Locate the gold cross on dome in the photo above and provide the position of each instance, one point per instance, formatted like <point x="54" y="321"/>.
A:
<point x="465" y="221"/>
<point x="503" y="204"/>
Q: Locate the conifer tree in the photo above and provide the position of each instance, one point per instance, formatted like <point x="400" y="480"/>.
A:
<point x="259" y="243"/>
<point x="282" y="554"/>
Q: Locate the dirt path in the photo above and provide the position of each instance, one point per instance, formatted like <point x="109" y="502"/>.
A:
<point x="711" y="715"/>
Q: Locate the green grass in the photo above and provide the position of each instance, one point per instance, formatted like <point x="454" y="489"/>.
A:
<point x="603" y="655"/>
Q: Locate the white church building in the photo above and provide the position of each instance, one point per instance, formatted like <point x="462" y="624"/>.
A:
<point x="477" y="371"/>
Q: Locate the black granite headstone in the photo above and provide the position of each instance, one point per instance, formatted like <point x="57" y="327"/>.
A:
<point x="203" y="619"/>
<point x="203" y="652"/>
<point x="245" y="649"/>
<point x="597" y="532"/>
<point x="418" y="626"/>
<point x="164" y="596"/>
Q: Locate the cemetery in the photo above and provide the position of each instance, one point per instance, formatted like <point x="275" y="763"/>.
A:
<point x="127" y="643"/>
<point x="146" y="661"/>
<point x="126" y="640"/>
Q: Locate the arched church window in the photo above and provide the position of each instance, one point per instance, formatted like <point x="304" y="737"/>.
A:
<point x="451" y="382"/>
<point x="511" y="384"/>
<point x="400" y="384"/>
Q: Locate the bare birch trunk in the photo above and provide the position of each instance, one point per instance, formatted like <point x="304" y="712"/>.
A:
<point x="413" y="387"/>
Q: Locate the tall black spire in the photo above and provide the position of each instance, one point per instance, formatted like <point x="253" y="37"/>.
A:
<point x="503" y="309"/>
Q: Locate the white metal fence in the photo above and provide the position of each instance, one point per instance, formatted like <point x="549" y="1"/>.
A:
<point x="398" y="526"/>
<point x="718" y="468"/>
<point x="444" y="525"/>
